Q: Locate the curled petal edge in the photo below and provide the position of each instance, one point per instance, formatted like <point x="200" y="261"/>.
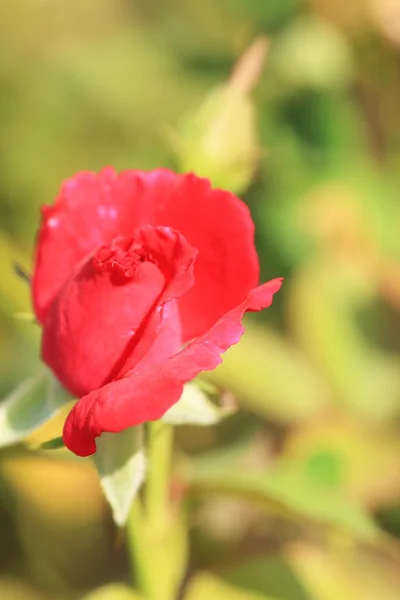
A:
<point x="147" y="391"/>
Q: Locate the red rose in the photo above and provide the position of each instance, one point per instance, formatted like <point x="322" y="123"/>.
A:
<point x="129" y="268"/>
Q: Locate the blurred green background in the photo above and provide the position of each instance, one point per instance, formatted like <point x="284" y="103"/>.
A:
<point x="297" y="496"/>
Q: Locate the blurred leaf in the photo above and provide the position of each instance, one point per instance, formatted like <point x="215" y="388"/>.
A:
<point x="343" y="572"/>
<point x="321" y="307"/>
<point x="309" y="496"/>
<point x="205" y="586"/>
<point x="54" y="444"/>
<point x="30" y="405"/>
<point x="113" y="591"/>
<point x="51" y="430"/>
<point x="195" y="408"/>
<point x="290" y="492"/>
<point x="269" y="576"/>
<point x="364" y="460"/>
<point x="271" y="378"/>
<point x="121" y="464"/>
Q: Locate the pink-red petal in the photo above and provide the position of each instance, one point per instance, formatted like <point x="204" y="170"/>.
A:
<point x="220" y="226"/>
<point x="107" y="314"/>
<point x="92" y="209"/>
<point x="148" y="390"/>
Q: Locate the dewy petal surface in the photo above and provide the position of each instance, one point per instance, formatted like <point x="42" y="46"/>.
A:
<point x="101" y="317"/>
<point x="149" y="389"/>
<point x="92" y="209"/>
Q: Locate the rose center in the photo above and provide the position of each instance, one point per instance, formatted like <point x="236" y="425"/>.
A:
<point x="121" y="258"/>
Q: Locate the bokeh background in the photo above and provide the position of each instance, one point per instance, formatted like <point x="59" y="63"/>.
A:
<point x="296" y="496"/>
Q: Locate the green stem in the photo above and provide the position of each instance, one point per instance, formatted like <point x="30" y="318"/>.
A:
<point x="148" y="524"/>
<point x="160" y="446"/>
<point x="138" y="551"/>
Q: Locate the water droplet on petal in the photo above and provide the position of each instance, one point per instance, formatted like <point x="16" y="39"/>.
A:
<point x="52" y="222"/>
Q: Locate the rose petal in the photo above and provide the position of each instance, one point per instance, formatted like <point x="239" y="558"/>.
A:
<point x="148" y="390"/>
<point x="99" y="321"/>
<point x="92" y="209"/>
<point x="220" y="226"/>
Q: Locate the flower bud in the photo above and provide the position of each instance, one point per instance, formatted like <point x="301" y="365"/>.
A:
<point x="219" y="140"/>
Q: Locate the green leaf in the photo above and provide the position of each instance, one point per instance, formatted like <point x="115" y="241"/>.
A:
<point x="322" y="318"/>
<point x="267" y="576"/>
<point x="121" y="464"/>
<point x="315" y="500"/>
<point x="195" y="408"/>
<point x="292" y="494"/>
<point x="54" y="444"/>
<point x="364" y="461"/>
<point x="30" y="405"/>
